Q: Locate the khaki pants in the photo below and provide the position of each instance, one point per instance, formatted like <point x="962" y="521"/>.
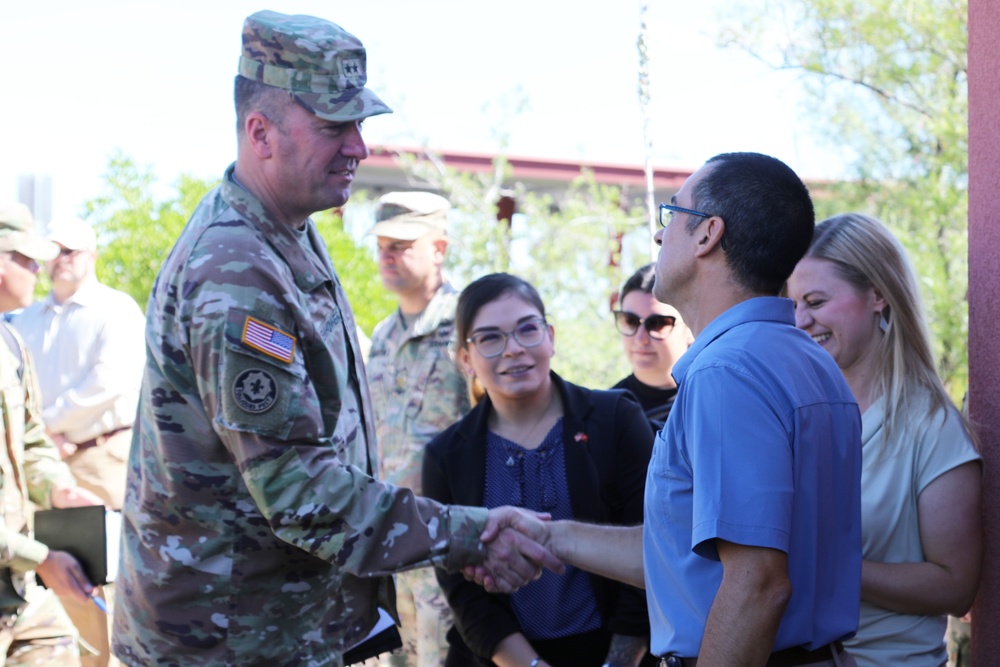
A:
<point x="41" y="634"/>
<point x="103" y="467"/>
<point x="94" y="627"/>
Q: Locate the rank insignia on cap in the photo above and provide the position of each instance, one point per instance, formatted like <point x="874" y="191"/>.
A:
<point x="269" y="340"/>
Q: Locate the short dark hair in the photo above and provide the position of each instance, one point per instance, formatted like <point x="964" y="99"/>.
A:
<point x="250" y="96"/>
<point x="640" y="281"/>
<point x="768" y="214"/>
<point x="486" y="290"/>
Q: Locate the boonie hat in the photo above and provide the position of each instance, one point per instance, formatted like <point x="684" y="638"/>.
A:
<point x="17" y="235"/>
<point x="410" y="215"/>
<point x="322" y="65"/>
<point x="73" y="234"/>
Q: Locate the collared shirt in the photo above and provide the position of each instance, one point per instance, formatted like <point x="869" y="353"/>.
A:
<point x="762" y="448"/>
<point x="30" y="468"/>
<point x="417" y="389"/>
<point x="253" y="530"/>
<point x="89" y="353"/>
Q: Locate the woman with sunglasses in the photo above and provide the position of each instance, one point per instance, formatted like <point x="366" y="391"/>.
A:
<point x="536" y="441"/>
<point x="856" y="294"/>
<point x="654" y="337"/>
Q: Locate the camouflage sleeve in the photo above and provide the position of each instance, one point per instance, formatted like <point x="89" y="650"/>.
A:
<point x="44" y="468"/>
<point x="20" y="552"/>
<point x="293" y="426"/>
<point x="367" y="527"/>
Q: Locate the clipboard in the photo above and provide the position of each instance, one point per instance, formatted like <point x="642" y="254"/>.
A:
<point x="90" y="534"/>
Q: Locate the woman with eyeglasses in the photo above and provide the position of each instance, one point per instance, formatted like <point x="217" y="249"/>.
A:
<point x="536" y="441"/>
<point x="856" y="294"/>
<point x="654" y="337"/>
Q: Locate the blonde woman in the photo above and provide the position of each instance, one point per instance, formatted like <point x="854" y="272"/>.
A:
<point x="856" y="294"/>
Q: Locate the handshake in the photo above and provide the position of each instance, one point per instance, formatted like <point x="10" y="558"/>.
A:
<point x="517" y="548"/>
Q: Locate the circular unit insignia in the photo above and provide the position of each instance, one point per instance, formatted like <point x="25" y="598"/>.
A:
<point x="255" y="390"/>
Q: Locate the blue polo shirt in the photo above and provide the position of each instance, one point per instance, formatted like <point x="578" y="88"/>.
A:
<point x="762" y="448"/>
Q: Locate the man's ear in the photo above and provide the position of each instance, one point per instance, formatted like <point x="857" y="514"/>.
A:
<point x="711" y="231"/>
<point x="259" y="130"/>
<point x="440" y="246"/>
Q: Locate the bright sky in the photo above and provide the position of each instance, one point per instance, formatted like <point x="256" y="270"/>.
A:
<point x="154" y="80"/>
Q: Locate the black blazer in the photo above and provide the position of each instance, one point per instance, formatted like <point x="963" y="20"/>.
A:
<point x="607" y="442"/>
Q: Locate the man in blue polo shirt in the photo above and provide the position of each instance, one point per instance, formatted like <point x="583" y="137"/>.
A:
<point x="751" y="548"/>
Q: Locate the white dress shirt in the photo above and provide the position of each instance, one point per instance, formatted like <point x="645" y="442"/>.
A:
<point x="89" y="353"/>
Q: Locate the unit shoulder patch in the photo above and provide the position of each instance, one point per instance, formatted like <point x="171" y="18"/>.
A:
<point x="255" y="390"/>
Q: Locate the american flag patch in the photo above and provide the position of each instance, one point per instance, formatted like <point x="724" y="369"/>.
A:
<point x="272" y="342"/>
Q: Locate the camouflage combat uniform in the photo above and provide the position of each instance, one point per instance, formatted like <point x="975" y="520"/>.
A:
<point x="417" y="392"/>
<point x="254" y="532"/>
<point x="37" y="632"/>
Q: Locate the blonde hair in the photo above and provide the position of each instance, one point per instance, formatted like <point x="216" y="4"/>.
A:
<point x="868" y="256"/>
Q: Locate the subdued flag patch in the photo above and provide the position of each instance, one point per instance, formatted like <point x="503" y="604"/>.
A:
<point x="269" y="340"/>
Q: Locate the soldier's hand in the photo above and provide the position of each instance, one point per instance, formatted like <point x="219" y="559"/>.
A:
<point x="64" y="576"/>
<point x="515" y="552"/>
<point x="74" y="496"/>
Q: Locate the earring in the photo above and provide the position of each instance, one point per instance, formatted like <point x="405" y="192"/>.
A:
<point x="883" y="321"/>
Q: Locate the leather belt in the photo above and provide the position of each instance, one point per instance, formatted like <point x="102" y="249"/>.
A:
<point x="100" y="439"/>
<point x="789" y="657"/>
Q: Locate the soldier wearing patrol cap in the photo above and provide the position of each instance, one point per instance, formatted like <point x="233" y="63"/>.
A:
<point x="34" y="628"/>
<point x="254" y="530"/>
<point x="417" y="389"/>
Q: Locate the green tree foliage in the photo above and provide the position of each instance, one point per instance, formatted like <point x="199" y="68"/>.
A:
<point x="357" y="269"/>
<point x="888" y="81"/>
<point x="576" y="251"/>
<point x="136" y="232"/>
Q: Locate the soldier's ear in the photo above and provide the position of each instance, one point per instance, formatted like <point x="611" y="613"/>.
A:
<point x="440" y="245"/>
<point x="259" y="129"/>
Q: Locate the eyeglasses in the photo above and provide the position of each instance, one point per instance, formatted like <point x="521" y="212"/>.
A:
<point x="671" y="209"/>
<point x="657" y="326"/>
<point x="67" y="252"/>
<point x="492" y="343"/>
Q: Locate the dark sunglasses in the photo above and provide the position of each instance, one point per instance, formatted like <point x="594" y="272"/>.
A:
<point x="657" y="326"/>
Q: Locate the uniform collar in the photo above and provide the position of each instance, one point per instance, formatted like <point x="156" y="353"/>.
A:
<point x="439" y="310"/>
<point x="310" y="269"/>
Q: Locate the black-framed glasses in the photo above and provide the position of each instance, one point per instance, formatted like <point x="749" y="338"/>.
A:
<point x="671" y="209"/>
<point x="492" y="342"/>
<point x="657" y="326"/>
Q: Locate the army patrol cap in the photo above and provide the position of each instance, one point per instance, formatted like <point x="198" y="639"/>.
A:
<point x="319" y="63"/>
<point x="17" y="234"/>
<point x="73" y="234"/>
<point x="409" y="215"/>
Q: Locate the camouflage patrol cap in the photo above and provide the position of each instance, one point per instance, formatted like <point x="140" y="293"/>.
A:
<point x="409" y="215"/>
<point x="17" y="234"/>
<point x="322" y="65"/>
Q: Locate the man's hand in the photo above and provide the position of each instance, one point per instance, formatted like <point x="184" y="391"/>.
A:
<point x="515" y="551"/>
<point x="65" y="447"/>
<point x="73" y="496"/>
<point x="64" y="576"/>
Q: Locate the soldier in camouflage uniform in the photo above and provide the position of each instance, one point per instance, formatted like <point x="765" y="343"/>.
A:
<point x="34" y="628"/>
<point x="417" y="389"/>
<point x="254" y="531"/>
